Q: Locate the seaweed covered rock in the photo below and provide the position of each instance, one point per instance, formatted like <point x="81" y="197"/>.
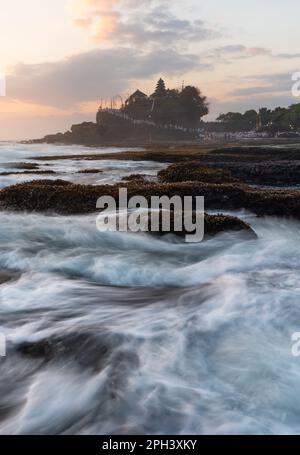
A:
<point x="280" y="173"/>
<point x="68" y="198"/>
<point x="58" y="196"/>
<point x="134" y="178"/>
<point x="194" y="171"/>
<point x="46" y="182"/>
<point x="90" y="171"/>
<point x="260" y="152"/>
<point x="48" y="172"/>
<point x="64" y="197"/>
<point x="213" y="225"/>
<point x="21" y="165"/>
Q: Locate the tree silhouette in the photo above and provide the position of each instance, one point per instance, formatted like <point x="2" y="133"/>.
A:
<point x="168" y="106"/>
<point x="160" y="90"/>
<point x="271" y="121"/>
<point x="193" y="105"/>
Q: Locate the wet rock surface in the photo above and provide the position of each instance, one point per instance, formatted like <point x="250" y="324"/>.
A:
<point x="67" y="198"/>
<point x="48" y="172"/>
<point x="213" y="225"/>
<point x="222" y="182"/>
<point x="194" y="171"/>
<point x="87" y="350"/>
<point x="134" y="178"/>
<point x="8" y="275"/>
<point x="90" y="171"/>
<point x="257" y="165"/>
<point x="24" y="166"/>
<point x="281" y="173"/>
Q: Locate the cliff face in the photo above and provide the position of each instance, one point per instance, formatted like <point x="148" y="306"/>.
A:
<point x="83" y="133"/>
<point x="114" y="128"/>
<point x="119" y="126"/>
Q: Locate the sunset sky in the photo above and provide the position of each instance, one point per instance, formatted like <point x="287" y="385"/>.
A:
<point x="61" y="57"/>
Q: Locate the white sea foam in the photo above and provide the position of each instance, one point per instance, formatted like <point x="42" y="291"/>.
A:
<point x="112" y="171"/>
<point x="148" y="335"/>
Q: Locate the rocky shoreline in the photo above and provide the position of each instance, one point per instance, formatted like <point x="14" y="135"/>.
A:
<point x="252" y="165"/>
<point x="222" y="176"/>
<point x="67" y="198"/>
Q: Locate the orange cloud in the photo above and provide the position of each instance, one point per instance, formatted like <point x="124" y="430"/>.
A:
<point x="99" y="16"/>
<point x="83" y="22"/>
<point x="14" y="106"/>
<point x="106" y="26"/>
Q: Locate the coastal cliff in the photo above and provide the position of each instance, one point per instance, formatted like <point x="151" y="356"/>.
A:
<point x="112" y="128"/>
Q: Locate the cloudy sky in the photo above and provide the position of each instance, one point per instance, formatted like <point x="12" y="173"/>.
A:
<point x="61" y="57"/>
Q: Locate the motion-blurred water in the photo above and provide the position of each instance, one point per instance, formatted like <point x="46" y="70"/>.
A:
<point x="122" y="333"/>
<point x="112" y="171"/>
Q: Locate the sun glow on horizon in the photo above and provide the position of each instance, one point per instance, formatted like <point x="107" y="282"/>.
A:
<point x="127" y="44"/>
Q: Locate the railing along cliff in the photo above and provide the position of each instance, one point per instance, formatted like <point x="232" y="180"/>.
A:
<point x="169" y="126"/>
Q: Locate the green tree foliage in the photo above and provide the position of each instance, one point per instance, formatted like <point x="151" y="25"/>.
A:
<point x="183" y="107"/>
<point x="193" y="105"/>
<point x="272" y="121"/>
<point x="233" y="121"/>
<point x="265" y="116"/>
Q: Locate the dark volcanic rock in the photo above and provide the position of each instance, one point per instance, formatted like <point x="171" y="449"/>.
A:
<point x="134" y="178"/>
<point x="90" y="171"/>
<point x="21" y="165"/>
<point x="83" y="133"/>
<point x="44" y="349"/>
<point x="57" y="182"/>
<point x="51" y="195"/>
<point x="267" y="166"/>
<point x="28" y="173"/>
<point x="8" y="275"/>
<point x="213" y="225"/>
<point x="280" y="173"/>
<point x="260" y="153"/>
<point x="194" y="171"/>
<point x="257" y="165"/>
<point x="111" y="128"/>
<point x="25" y="165"/>
<point x="85" y="349"/>
<point x="67" y="198"/>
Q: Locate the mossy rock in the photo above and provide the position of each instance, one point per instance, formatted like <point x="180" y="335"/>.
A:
<point x="134" y="178"/>
<point x="213" y="225"/>
<point x="194" y="171"/>
<point x="64" y="197"/>
<point x="90" y="171"/>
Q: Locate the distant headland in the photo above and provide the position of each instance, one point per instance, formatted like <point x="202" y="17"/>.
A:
<point x="171" y="115"/>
